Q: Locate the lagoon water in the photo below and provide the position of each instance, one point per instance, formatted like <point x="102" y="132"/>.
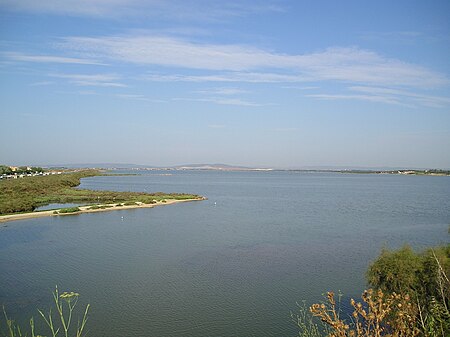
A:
<point x="232" y="265"/>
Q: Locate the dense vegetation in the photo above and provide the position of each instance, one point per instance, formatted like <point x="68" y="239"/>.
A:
<point x="424" y="276"/>
<point x="20" y="170"/>
<point x="24" y="195"/>
<point x="410" y="297"/>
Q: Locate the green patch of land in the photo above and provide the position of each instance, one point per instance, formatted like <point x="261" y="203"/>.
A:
<point x="25" y="195"/>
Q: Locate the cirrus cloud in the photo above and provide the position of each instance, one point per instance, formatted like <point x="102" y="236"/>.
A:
<point x="345" y="64"/>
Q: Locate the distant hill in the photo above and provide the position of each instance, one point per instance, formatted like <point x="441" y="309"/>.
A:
<point x="100" y="165"/>
<point x="218" y="167"/>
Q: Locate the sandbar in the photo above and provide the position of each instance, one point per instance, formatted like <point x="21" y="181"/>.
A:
<point x="86" y="209"/>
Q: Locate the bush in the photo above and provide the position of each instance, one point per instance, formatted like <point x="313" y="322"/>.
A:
<point x="69" y="210"/>
<point x="396" y="271"/>
<point x="411" y="297"/>
<point x="424" y="276"/>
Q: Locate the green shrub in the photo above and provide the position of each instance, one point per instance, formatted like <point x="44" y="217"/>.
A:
<point x="424" y="277"/>
<point x="396" y="271"/>
<point x="69" y="210"/>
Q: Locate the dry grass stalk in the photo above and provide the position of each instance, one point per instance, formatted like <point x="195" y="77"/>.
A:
<point x="378" y="315"/>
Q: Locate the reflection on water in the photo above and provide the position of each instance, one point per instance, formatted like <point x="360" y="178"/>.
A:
<point x="232" y="265"/>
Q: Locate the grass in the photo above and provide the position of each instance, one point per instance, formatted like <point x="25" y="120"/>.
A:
<point x="26" y="194"/>
<point x="129" y="203"/>
<point x="59" y="322"/>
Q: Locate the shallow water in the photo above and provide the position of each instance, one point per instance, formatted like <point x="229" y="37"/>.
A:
<point x="56" y="206"/>
<point x="233" y="265"/>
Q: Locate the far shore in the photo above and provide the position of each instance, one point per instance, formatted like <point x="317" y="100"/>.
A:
<point x="86" y="209"/>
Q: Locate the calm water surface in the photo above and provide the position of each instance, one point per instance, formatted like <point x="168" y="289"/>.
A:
<point x="233" y="265"/>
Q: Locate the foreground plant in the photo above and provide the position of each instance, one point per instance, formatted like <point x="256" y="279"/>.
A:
<point x="377" y="315"/>
<point x="60" y="323"/>
<point x="410" y="297"/>
<point x="422" y="275"/>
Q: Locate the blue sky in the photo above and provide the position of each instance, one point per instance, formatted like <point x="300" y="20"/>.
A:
<point x="256" y="83"/>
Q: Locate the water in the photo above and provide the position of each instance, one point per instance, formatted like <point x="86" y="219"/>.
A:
<point x="233" y="265"/>
<point x="56" y="206"/>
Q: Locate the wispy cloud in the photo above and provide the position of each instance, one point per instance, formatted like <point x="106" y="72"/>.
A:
<point x="47" y="59"/>
<point x="386" y="95"/>
<point x="371" y="98"/>
<point x="221" y="101"/>
<point x="234" y="101"/>
<point x="348" y="64"/>
<point x="244" y="77"/>
<point x="428" y="100"/>
<point x="301" y="87"/>
<point x="169" y="9"/>
<point x="100" y="80"/>
<point x="139" y="97"/>
<point x="41" y="83"/>
<point x="87" y="92"/>
<point x="222" y="91"/>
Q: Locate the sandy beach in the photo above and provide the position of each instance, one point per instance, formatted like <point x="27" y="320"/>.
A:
<point x="86" y="209"/>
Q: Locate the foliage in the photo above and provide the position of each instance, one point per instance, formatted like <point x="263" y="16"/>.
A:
<point x="423" y="276"/>
<point x="410" y="298"/>
<point x="69" y="210"/>
<point x="396" y="271"/>
<point x="5" y="170"/>
<point x="58" y="322"/>
<point x="20" y="170"/>
<point x="24" y="195"/>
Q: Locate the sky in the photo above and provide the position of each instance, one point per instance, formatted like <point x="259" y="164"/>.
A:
<point x="274" y="83"/>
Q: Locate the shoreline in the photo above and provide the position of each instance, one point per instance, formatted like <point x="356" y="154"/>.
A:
<point x="85" y="209"/>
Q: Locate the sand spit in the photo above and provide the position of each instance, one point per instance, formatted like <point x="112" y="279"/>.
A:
<point x="86" y="209"/>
